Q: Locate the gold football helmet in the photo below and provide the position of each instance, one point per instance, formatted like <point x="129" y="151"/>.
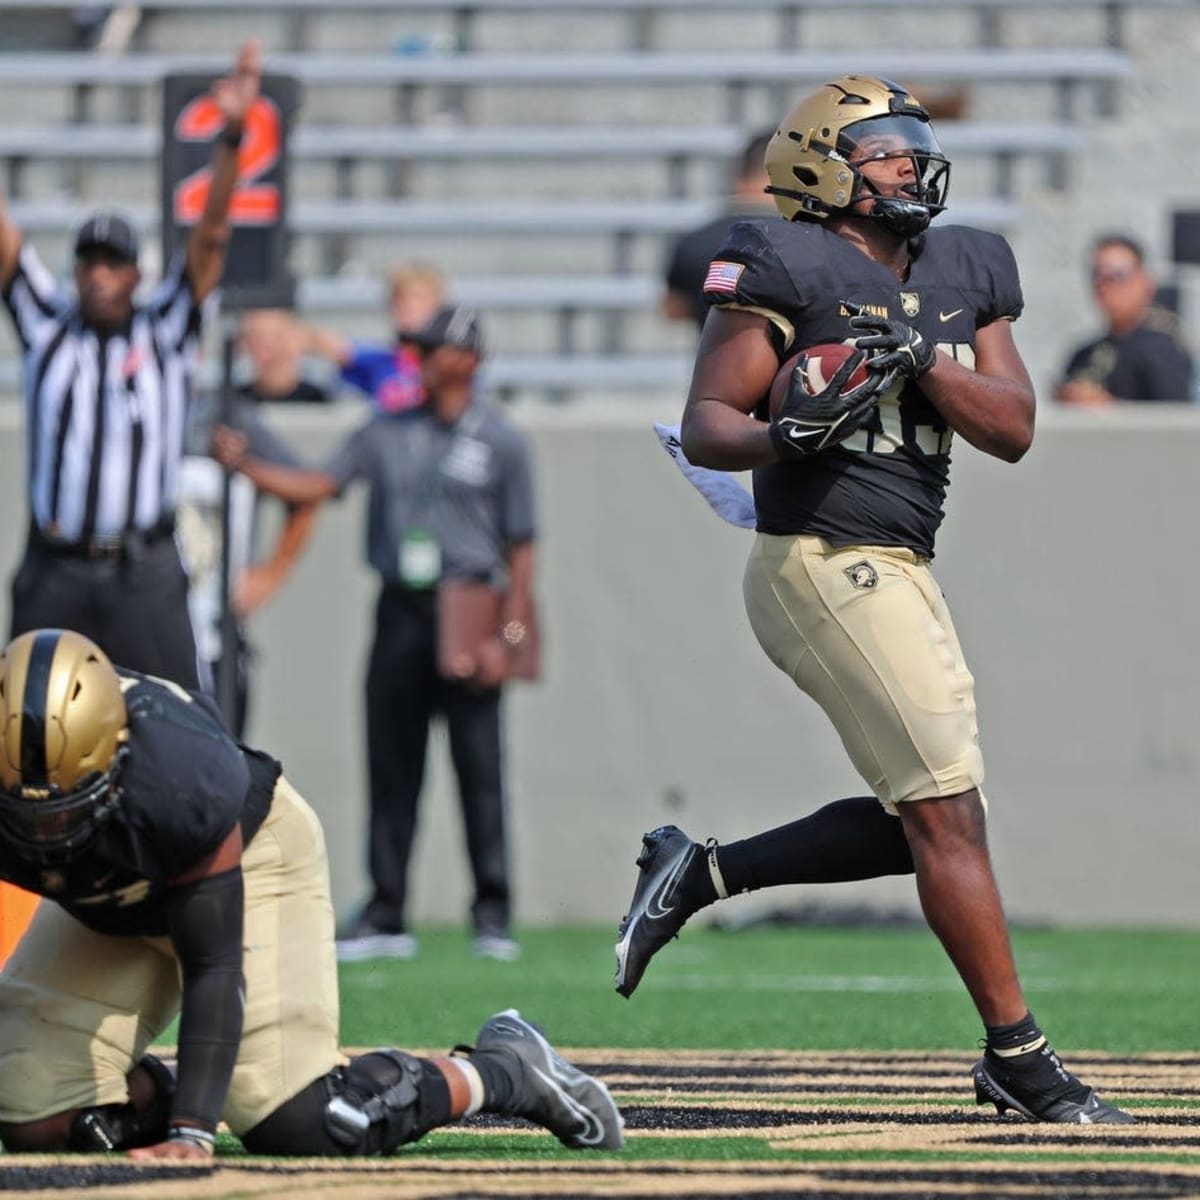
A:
<point x="812" y="161"/>
<point x="63" y="733"/>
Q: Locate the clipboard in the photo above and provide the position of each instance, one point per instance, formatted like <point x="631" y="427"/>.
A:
<point x="470" y="614"/>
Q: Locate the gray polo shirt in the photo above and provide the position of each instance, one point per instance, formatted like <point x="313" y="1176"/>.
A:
<point x="471" y="486"/>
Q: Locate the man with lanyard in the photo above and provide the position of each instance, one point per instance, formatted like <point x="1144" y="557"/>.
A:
<point x="451" y="499"/>
<point x="107" y="384"/>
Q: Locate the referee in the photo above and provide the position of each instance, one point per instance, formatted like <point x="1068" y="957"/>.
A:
<point x="107" y="381"/>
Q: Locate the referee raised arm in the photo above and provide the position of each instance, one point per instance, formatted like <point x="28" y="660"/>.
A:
<point x="107" y="381"/>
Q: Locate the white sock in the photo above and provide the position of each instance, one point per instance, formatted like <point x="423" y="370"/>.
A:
<point x="473" y="1080"/>
<point x="714" y="870"/>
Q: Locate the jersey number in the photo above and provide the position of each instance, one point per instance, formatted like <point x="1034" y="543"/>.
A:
<point x="929" y="439"/>
<point x="254" y="202"/>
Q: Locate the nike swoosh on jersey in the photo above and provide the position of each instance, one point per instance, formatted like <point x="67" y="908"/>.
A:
<point x="945" y="316"/>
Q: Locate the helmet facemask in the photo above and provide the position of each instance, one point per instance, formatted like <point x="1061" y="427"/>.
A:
<point x="923" y="193"/>
<point x="50" y="826"/>
<point x="63" y="741"/>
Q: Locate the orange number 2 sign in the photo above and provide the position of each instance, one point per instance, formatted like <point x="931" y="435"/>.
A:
<point x="254" y="202"/>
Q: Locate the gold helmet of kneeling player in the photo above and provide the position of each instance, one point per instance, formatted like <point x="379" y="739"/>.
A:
<point x="63" y="732"/>
<point x="814" y="157"/>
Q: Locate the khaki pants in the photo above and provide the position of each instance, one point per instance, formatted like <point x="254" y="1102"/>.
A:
<point x="78" y="1009"/>
<point x="865" y="631"/>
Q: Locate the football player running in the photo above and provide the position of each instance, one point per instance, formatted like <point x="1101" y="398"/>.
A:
<point x="838" y="588"/>
<point x="188" y="877"/>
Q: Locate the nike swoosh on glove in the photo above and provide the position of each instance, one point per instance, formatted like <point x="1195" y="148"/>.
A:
<point x="807" y="424"/>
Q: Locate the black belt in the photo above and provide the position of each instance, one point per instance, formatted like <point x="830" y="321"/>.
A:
<point x="120" y="545"/>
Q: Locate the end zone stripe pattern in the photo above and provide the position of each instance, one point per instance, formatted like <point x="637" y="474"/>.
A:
<point x="718" y="1124"/>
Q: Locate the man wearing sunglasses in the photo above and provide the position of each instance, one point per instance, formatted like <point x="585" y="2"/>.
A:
<point x="1140" y="355"/>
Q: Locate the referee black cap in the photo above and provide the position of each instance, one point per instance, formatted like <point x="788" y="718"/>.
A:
<point x="455" y="325"/>
<point x="111" y="229"/>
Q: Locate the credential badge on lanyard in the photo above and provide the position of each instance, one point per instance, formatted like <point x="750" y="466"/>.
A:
<point x="420" y="559"/>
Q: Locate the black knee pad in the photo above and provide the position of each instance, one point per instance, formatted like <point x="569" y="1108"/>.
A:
<point x="122" y="1127"/>
<point x="379" y="1106"/>
<point x="374" y="1104"/>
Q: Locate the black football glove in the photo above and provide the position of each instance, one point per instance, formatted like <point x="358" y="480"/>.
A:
<point x="808" y="424"/>
<point x="893" y="345"/>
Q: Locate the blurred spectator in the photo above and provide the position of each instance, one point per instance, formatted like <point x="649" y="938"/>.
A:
<point x="1141" y="355"/>
<point x="451" y="529"/>
<point x="416" y="291"/>
<point x="270" y="339"/>
<point x="688" y="262"/>
<point x="390" y="376"/>
<point x="273" y="342"/>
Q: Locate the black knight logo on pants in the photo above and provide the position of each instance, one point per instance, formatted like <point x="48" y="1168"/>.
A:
<point x="862" y="574"/>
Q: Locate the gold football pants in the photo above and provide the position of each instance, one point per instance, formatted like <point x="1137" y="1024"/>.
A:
<point x="865" y="631"/>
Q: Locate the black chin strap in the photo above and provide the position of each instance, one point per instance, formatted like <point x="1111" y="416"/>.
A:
<point x="904" y="218"/>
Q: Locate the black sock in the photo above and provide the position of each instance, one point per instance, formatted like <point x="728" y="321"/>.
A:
<point x="500" y="1073"/>
<point x="434" y="1097"/>
<point x="1022" y="1050"/>
<point x="1022" y="1037"/>
<point x="696" y="888"/>
<point x="845" y="840"/>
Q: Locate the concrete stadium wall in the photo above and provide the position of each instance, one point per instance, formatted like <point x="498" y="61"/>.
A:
<point x="1073" y="578"/>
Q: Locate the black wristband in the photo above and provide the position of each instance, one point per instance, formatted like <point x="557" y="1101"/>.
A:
<point x="232" y="137"/>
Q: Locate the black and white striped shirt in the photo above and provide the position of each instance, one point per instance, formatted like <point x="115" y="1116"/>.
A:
<point x="104" y="413"/>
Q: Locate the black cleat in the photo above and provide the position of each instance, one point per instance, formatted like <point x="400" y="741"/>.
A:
<point x="658" y="910"/>
<point x="1046" y="1091"/>
<point x="560" y="1097"/>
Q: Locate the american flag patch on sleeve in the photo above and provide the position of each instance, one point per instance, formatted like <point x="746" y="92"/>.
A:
<point x="723" y="276"/>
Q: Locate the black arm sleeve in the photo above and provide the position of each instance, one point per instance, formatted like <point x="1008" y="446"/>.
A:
<point x="205" y="922"/>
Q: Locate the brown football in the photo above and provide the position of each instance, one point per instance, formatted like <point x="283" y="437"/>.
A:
<point x="817" y="366"/>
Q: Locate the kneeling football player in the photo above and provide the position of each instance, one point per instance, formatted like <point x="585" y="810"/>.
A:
<point x="187" y="877"/>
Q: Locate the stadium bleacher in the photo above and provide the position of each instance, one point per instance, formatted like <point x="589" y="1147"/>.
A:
<point x="617" y="222"/>
<point x="732" y="73"/>
<point x="439" y="126"/>
<point x="358" y="148"/>
<point x="640" y="15"/>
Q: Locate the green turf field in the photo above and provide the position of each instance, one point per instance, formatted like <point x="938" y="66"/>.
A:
<point x="783" y="988"/>
<point x="770" y="1062"/>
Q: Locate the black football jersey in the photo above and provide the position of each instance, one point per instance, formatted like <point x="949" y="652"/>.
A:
<point x="886" y="484"/>
<point x="183" y="787"/>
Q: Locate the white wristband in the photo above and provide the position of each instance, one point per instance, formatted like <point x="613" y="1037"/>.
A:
<point x="194" y="1135"/>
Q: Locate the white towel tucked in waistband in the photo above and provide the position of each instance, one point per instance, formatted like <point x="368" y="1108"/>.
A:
<point x="726" y="497"/>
